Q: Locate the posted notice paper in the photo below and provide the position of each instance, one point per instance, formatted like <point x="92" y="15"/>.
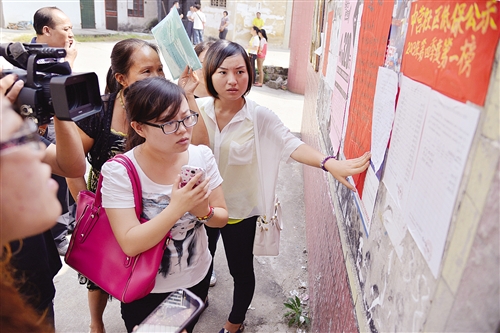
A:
<point x="175" y="46"/>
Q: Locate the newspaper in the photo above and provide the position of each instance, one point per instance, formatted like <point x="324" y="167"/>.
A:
<point x="174" y="44"/>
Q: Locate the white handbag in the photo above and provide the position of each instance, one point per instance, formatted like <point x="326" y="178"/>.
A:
<point x="267" y="233"/>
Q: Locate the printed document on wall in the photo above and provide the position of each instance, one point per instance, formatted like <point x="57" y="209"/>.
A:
<point x="406" y="132"/>
<point x="175" y="46"/>
<point x="384" y="105"/>
<point x="367" y="204"/>
<point x="446" y="139"/>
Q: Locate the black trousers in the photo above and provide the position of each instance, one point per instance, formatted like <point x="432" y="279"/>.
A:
<point x="223" y="34"/>
<point x="238" y="243"/>
<point x="253" y="58"/>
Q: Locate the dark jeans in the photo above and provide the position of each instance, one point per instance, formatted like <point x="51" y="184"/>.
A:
<point x="253" y="58"/>
<point x="189" y="30"/>
<point x="213" y="236"/>
<point x="223" y="34"/>
<point x="238" y="244"/>
<point x="135" y="312"/>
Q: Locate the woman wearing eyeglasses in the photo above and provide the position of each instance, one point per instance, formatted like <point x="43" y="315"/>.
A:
<point x="159" y="144"/>
<point x="104" y="135"/>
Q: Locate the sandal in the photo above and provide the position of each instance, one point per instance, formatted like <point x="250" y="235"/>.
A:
<point x="257" y="84"/>
<point x="239" y="330"/>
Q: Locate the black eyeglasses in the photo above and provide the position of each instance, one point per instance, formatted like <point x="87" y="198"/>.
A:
<point x="172" y="126"/>
<point x="26" y="134"/>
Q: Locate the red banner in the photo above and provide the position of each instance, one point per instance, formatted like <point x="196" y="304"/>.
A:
<point x="450" y="46"/>
<point x="373" y="36"/>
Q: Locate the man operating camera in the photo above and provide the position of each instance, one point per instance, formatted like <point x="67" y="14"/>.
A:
<point x="55" y="29"/>
<point x="36" y="259"/>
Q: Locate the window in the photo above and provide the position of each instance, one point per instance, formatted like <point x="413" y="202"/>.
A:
<point x="218" y="3"/>
<point x="136" y="8"/>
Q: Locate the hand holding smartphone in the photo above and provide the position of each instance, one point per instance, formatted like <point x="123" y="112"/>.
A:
<point x="188" y="172"/>
<point x="177" y="311"/>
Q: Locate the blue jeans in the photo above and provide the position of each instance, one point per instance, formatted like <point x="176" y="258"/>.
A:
<point x="197" y="36"/>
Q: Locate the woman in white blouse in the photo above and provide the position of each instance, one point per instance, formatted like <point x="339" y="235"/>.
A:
<point x="230" y="118"/>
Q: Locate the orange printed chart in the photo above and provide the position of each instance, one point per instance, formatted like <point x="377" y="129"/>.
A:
<point x="373" y="34"/>
<point x="450" y="46"/>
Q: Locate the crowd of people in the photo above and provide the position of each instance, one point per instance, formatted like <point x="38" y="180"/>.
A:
<point x="205" y="120"/>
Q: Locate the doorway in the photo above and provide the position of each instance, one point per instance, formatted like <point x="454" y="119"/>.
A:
<point x="87" y="12"/>
<point x="111" y="15"/>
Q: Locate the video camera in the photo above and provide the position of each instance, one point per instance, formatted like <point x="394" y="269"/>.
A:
<point x="49" y="87"/>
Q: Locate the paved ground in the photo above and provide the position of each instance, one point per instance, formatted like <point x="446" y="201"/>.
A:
<point x="277" y="277"/>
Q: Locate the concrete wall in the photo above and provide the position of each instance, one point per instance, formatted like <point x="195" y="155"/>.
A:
<point x="358" y="283"/>
<point x="139" y="24"/>
<point x="301" y="31"/>
<point x="276" y="16"/>
<point x="15" y="11"/>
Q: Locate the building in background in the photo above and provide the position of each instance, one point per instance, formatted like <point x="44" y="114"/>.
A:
<point x="141" y="15"/>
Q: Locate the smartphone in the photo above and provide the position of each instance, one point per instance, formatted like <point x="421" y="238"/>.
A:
<point x="188" y="172"/>
<point x="177" y="311"/>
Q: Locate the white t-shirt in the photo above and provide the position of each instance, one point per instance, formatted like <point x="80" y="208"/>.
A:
<point x="186" y="259"/>
<point x="199" y="19"/>
<point x="253" y="45"/>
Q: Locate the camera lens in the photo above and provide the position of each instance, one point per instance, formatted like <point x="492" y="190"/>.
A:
<point x="76" y="95"/>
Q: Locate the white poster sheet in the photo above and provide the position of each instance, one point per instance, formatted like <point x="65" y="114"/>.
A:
<point x="406" y="132"/>
<point x="446" y="139"/>
<point x="367" y="204"/>
<point x="384" y="105"/>
<point x="432" y="135"/>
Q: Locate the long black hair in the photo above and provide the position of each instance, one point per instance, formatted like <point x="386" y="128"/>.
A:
<point x="264" y="34"/>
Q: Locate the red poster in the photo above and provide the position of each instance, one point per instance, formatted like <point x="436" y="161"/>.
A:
<point x="450" y="46"/>
<point x="373" y="36"/>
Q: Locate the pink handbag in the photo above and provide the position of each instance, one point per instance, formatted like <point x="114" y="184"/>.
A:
<point x="94" y="251"/>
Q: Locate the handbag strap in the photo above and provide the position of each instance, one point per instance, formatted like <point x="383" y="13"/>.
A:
<point x="134" y="179"/>
<point x="259" y="160"/>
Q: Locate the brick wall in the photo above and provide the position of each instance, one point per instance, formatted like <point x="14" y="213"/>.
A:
<point x="358" y="283"/>
<point x="331" y="303"/>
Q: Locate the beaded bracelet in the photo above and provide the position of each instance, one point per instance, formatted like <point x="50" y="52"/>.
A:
<point x="322" y="164"/>
<point x="207" y="217"/>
